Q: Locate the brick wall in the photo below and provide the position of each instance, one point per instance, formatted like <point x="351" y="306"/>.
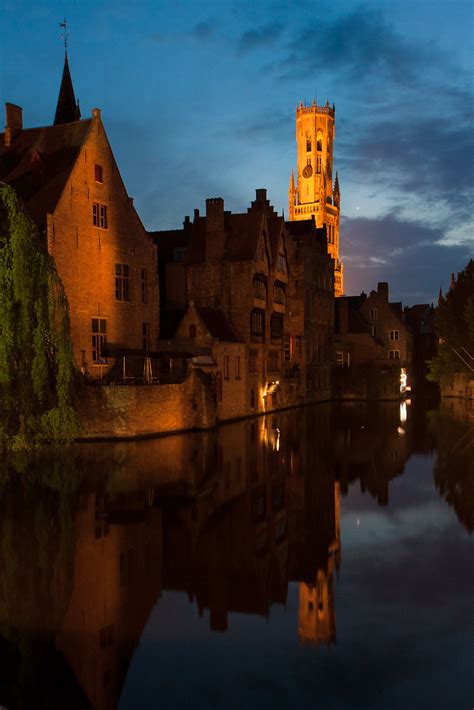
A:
<point x="86" y="255"/>
<point x="121" y="412"/>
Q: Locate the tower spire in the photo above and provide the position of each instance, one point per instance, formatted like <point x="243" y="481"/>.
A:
<point x="67" y="110"/>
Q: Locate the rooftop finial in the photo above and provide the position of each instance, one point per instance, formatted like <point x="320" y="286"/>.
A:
<point x="64" y="34"/>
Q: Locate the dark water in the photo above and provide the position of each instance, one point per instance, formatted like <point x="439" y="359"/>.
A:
<point x="317" y="558"/>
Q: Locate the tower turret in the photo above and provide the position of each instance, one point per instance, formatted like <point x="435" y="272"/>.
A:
<point x="313" y="195"/>
<point x="67" y="110"/>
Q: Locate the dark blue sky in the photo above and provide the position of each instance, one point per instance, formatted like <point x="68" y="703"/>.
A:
<point x="198" y="100"/>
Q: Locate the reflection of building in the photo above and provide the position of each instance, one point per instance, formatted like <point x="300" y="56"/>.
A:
<point x="69" y="181"/>
<point x="117" y="578"/>
<point x="314" y="195"/>
<point x="316" y="613"/>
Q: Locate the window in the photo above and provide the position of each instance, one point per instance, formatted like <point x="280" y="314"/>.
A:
<point x="343" y="359"/>
<point x="318" y="164"/>
<point x="259" y="289"/>
<point x="144" y="283"/>
<point x="192" y="330"/>
<point x="253" y="361"/>
<point x="99" y="337"/>
<point x="281" y="263"/>
<point x="276" y="326"/>
<point x="237" y="367"/>
<point x="99" y="215"/>
<point x="319" y="141"/>
<point x="279" y="293"/>
<point x="146" y="337"/>
<point x="257" y="322"/>
<point x="288" y="347"/>
<point x="226" y="367"/>
<point x="394" y="335"/>
<point x="308" y="144"/>
<point x="394" y="354"/>
<point x="98" y="173"/>
<point x="374" y="313"/>
<point x="273" y="361"/>
<point x="122" y="282"/>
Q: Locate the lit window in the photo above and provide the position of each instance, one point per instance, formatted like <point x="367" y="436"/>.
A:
<point x="394" y="354"/>
<point x="394" y="335"/>
<point x="122" y="282"/>
<point x="98" y="173"/>
<point x="99" y="337"/>
<point x="99" y="215"/>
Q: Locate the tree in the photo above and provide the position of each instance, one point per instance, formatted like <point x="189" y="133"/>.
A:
<point x="36" y="360"/>
<point x="454" y="324"/>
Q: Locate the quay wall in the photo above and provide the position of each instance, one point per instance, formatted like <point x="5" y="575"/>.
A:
<point x="459" y="384"/>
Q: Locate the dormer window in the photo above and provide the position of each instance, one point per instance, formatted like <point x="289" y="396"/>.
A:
<point x="98" y="173"/>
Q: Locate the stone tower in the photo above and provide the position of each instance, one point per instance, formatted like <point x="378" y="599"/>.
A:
<point x="315" y="194"/>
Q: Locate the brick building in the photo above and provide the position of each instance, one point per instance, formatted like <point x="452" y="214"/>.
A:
<point x="310" y="321"/>
<point x="71" y="186"/>
<point x="271" y="282"/>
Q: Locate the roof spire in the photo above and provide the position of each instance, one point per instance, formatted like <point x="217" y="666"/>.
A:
<point x="67" y="110"/>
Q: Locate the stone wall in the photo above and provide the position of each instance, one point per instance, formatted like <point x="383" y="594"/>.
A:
<point x="110" y="412"/>
<point x="460" y="384"/>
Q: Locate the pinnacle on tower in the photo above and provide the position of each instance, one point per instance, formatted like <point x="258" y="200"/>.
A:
<point x="67" y="110"/>
<point x="336" y="185"/>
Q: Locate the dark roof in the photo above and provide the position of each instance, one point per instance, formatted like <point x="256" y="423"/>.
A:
<point x="66" y="110"/>
<point x="217" y="324"/>
<point x="39" y="161"/>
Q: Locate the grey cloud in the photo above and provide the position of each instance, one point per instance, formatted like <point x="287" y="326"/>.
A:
<point x="262" y="37"/>
<point x="415" y="264"/>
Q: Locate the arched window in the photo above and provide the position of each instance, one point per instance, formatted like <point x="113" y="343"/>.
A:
<point x="319" y="141"/>
<point x="308" y="144"/>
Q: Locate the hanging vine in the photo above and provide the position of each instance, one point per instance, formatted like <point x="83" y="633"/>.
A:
<point x="36" y="359"/>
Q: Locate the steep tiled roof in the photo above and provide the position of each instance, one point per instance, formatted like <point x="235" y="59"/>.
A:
<point x="39" y="161"/>
<point x="217" y="324"/>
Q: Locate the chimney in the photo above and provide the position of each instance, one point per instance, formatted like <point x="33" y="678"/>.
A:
<point x="14" y="125"/>
<point x="261" y="195"/>
<point x="215" y="234"/>
<point x="382" y="289"/>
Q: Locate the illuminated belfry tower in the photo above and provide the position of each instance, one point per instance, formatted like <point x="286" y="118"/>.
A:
<point x="315" y="194"/>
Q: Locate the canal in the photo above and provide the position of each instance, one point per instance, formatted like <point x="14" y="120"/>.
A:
<point x="320" y="557"/>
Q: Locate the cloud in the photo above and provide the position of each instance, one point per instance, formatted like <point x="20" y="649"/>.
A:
<point x="264" y="36"/>
<point x="203" y="31"/>
<point x="407" y="254"/>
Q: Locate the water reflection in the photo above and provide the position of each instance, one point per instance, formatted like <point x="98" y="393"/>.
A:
<point x="90" y="538"/>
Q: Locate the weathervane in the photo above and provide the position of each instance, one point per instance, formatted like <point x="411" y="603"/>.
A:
<point x="64" y="35"/>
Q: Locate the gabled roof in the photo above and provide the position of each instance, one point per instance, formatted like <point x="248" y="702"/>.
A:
<point x="217" y="324"/>
<point x="39" y="162"/>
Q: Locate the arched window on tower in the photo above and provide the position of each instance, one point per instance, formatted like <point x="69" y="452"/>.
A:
<point x="308" y="144"/>
<point x="319" y="141"/>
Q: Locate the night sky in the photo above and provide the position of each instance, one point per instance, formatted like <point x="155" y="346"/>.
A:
<point x="198" y="100"/>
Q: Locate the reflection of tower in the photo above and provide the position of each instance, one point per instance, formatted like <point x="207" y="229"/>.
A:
<point x="314" y="194"/>
<point x="316" y="614"/>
